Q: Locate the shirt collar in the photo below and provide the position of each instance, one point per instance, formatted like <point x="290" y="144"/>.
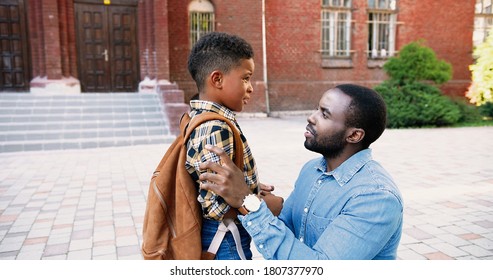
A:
<point x="202" y="105"/>
<point x="344" y="172"/>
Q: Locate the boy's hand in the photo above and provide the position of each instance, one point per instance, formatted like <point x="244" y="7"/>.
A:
<point x="264" y="188"/>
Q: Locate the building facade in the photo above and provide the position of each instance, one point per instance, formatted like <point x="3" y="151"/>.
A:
<point x="302" y="48"/>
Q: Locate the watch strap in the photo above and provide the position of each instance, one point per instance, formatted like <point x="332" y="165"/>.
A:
<point x="243" y="210"/>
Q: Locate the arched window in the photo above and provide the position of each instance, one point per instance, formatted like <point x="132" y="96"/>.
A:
<point x="201" y="19"/>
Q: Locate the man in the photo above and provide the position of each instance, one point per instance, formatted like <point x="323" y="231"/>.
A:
<point x="344" y="205"/>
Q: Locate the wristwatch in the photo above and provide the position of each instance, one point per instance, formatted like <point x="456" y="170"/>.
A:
<point x="251" y="203"/>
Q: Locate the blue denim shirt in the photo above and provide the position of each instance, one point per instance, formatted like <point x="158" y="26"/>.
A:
<point x="352" y="212"/>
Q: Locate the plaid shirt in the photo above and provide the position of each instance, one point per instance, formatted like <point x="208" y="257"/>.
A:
<point x="219" y="134"/>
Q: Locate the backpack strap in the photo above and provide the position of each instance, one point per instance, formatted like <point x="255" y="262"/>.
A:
<point x="227" y="225"/>
<point x="190" y="125"/>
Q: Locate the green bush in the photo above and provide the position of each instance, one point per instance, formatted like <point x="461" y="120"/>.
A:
<point x="417" y="63"/>
<point x="412" y="98"/>
<point x="486" y="109"/>
<point x="469" y="112"/>
<point x="417" y="105"/>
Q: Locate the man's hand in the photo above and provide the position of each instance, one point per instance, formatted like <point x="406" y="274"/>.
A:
<point x="228" y="180"/>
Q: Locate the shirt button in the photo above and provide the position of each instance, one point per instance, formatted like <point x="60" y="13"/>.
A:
<point x="249" y="223"/>
<point x="319" y="182"/>
<point x="301" y="239"/>
<point x="261" y="246"/>
<point x="306" y="210"/>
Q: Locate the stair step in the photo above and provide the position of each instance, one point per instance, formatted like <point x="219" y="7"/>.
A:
<point x="30" y="122"/>
<point x="65" y="144"/>
<point x="74" y="124"/>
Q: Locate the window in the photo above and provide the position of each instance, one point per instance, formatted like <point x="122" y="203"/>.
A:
<point x="336" y="28"/>
<point x="201" y="18"/>
<point x="483" y="21"/>
<point x="381" y="28"/>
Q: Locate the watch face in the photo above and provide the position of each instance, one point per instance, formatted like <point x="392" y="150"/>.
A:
<point x="252" y="202"/>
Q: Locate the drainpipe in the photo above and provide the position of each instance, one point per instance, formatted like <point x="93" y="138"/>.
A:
<point x="264" y="55"/>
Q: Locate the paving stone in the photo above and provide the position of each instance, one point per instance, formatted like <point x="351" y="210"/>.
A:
<point x="418" y="233"/>
<point x="449" y="250"/>
<point x="421" y="248"/>
<point x="85" y="254"/>
<point x="453" y="239"/>
<point x="476" y="251"/>
<point x="410" y="255"/>
<point x="100" y="194"/>
<point x="484" y="243"/>
<point x="56" y="249"/>
<point x="437" y="256"/>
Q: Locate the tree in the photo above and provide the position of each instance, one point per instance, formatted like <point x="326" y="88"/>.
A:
<point x="481" y="89"/>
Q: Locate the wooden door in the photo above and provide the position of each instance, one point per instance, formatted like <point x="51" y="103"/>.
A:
<point x="107" y="48"/>
<point x="14" y="58"/>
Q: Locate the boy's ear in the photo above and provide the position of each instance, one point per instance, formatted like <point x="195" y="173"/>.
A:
<point x="355" y="136"/>
<point x="216" y="79"/>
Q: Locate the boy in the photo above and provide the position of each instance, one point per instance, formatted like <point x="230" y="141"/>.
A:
<point x="222" y="66"/>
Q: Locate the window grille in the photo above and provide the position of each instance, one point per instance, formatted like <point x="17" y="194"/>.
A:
<point x="483" y="21"/>
<point x="201" y="19"/>
<point x="382" y="21"/>
<point x="336" y="28"/>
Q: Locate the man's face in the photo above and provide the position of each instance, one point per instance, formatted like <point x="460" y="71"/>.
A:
<point x="326" y="130"/>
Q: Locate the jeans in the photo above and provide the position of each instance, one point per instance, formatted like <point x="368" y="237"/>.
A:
<point x="227" y="249"/>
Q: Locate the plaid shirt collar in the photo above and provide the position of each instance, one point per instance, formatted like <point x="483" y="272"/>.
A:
<point x="202" y="105"/>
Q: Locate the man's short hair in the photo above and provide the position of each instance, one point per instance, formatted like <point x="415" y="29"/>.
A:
<point x="367" y="111"/>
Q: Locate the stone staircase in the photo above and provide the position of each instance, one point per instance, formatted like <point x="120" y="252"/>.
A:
<point x="33" y="122"/>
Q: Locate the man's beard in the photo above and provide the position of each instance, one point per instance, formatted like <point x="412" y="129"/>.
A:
<point x="329" y="147"/>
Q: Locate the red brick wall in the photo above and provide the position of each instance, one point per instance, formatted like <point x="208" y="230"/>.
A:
<point x="242" y="18"/>
<point x="296" y="78"/>
<point x="36" y="41"/>
<point x="295" y="73"/>
<point x="161" y="36"/>
<point x="52" y="38"/>
<point x="179" y="46"/>
<point x="446" y="27"/>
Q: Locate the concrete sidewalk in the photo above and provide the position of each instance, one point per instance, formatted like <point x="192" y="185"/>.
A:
<point x="89" y="204"/>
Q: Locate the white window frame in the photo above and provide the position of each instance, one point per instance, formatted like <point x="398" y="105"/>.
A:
<point x="336" y="19"/>
<point x="382" y="27"/>
<point x="201" y="19"/>
<point x="483" y="21"/>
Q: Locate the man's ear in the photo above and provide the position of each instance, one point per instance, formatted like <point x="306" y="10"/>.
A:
<point x="216" y="79"/>
<point x="355" y="136"/>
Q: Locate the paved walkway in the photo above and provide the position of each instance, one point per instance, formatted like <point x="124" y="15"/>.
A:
<point x="89" y="204"/>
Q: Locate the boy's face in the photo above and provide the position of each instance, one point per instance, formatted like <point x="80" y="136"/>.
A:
<point x="237" y="86"/>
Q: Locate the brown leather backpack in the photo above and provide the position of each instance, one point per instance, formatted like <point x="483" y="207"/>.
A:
<point x="173" y="217"/>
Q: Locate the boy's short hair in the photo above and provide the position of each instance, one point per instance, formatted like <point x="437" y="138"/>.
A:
<point x="216" y="51"/>
<point x="367" y="111"/>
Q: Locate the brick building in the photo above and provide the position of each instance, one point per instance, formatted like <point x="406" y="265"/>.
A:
<point x="301" y="47"/>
